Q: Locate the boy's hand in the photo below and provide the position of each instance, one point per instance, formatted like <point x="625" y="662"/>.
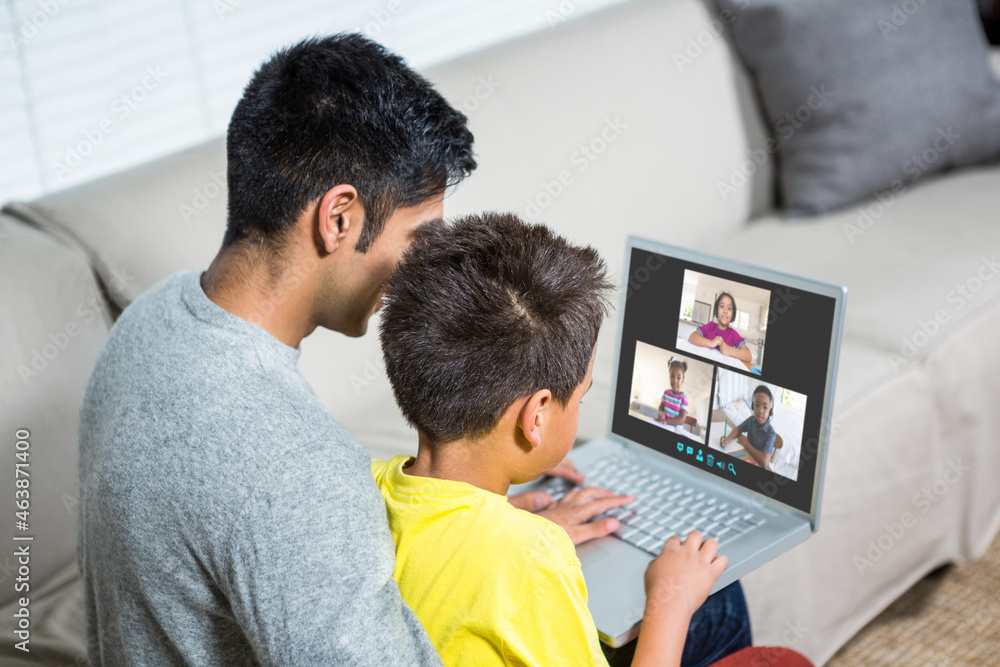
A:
<point x="677" y="583"/>
<point x="679" y="580"/>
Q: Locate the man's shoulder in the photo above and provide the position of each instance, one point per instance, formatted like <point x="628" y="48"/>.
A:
<point x="167" y="292"/>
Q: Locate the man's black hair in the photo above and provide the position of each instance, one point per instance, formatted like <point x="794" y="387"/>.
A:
<point x="762" y="389"/>
<point x="338" y="110"/>
<point x="718" y="299"/>
<point x="483" y="313"/>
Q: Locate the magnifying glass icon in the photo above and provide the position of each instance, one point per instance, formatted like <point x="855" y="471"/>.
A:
<point x="732" y="469"/>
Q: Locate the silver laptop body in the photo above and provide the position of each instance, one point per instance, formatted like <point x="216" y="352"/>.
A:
<point x="763" y="514"/>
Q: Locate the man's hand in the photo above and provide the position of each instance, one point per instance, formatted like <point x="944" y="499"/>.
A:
<point x="576" y="509"/>
<point x="539" y="500"/>
<point x="566" y="470"/>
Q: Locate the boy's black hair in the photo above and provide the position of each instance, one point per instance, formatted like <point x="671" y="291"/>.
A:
<point x="338" y="110"/>
<point x="677" y="362"/>
<point x="483" y="313"/>
<point x="731" y="300"/>
<point x="762" y="389"/>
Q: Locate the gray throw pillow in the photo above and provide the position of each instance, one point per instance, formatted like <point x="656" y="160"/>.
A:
<point x="865" y="96"/>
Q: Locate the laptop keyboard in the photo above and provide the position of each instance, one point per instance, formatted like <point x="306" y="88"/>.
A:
<point x="663" y="507"/>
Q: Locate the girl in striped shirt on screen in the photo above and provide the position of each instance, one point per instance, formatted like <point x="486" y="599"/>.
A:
<point x="673" y="405"/>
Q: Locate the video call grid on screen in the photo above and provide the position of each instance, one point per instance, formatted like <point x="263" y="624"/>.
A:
<point x="799" y="332"/>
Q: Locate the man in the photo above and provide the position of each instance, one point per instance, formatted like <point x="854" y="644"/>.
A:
<point x="225" y="515"/>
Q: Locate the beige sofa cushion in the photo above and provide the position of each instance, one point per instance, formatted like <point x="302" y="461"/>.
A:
<point x="916" y="265"/>
<point x="624" y="122"/>
<point x="910" y="480"/>
<point x="52" y="327"/>
<point x="143" y="224"/>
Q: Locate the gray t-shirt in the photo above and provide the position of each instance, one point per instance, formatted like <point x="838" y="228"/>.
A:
<point x="226" y="518"/>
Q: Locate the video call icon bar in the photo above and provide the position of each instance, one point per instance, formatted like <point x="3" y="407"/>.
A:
<point x="699" y="455"/>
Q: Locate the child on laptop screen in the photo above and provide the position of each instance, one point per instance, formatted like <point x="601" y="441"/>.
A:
<point x="488" y="331"/>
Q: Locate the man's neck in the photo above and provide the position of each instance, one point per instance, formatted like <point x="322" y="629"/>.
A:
<point x="472" y="462"/>
<point x="253" y="289"/>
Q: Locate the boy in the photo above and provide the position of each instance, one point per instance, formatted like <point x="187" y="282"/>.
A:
<point x="489" y="330"/>
<point x="756" y="433"/>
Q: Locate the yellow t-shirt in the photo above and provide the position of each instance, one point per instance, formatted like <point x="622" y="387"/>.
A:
<point x="492" y="585"/>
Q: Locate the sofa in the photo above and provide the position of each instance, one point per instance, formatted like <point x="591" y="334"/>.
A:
<point x="592" y="128"/>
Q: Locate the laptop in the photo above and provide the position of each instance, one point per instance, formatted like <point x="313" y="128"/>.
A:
<point x="729" y="439"/>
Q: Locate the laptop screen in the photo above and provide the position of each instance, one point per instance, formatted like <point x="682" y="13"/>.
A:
<point x="727" y="368"/>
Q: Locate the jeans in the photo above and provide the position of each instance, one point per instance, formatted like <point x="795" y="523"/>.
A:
<point x="719" y="628"/>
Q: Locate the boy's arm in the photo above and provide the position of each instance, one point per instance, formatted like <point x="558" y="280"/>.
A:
<point x="665" y="644"/>
<point x="762" y="458"/>
<point x="678" y="582"/>
<point x="735" y="433"/>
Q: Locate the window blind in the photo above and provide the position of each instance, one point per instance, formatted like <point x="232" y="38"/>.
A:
<point x="88" y="87"/>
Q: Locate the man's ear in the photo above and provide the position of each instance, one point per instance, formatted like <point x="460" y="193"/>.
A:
<point x="340" y="212"/>
<point x="533" y="414"/>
